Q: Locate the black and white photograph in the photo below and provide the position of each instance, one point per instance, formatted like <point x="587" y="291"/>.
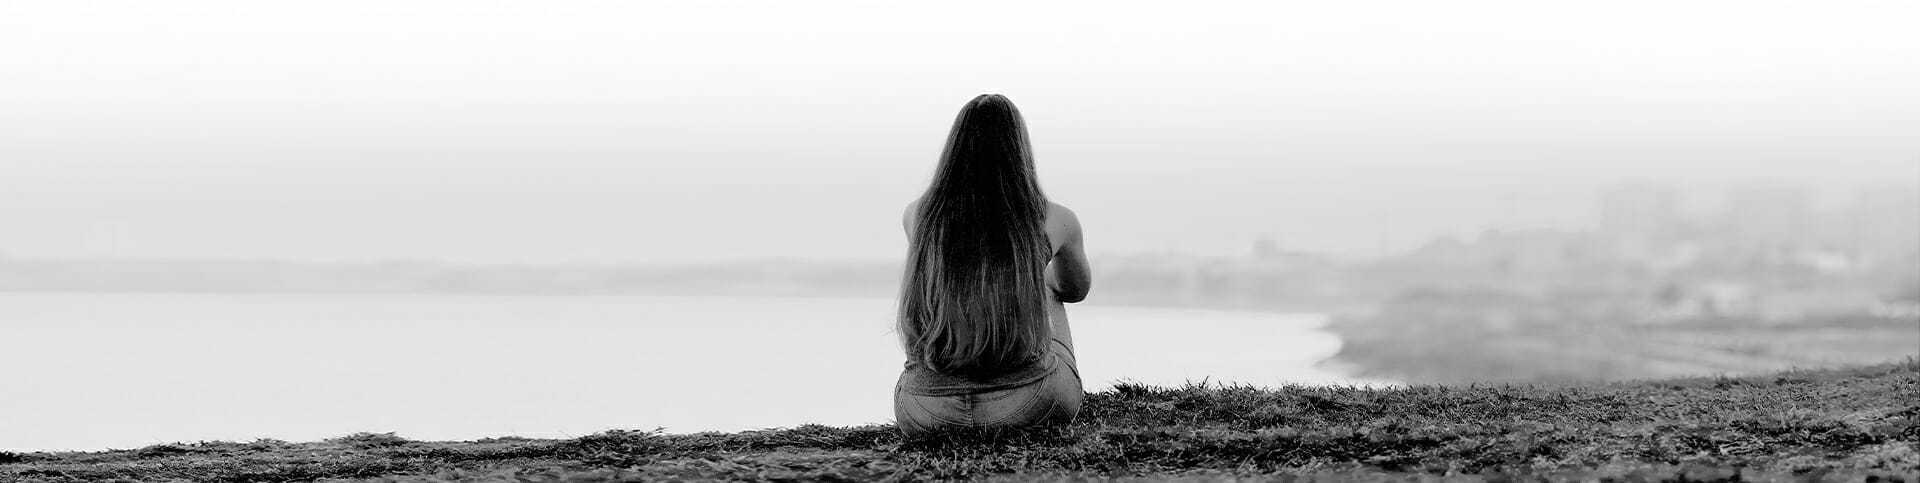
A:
<point x="851" y="240"/>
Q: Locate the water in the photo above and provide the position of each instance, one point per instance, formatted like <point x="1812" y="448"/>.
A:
<point x="96" y="371"/>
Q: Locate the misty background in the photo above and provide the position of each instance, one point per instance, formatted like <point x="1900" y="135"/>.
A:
<point x="615" y="133"/>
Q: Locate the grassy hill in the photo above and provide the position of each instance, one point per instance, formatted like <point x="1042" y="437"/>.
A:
<point x="1442" y="350"/>
<point x="1851" y="424"/>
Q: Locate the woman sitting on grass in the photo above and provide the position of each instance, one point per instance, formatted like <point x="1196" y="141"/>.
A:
<point x="989" y="265"/>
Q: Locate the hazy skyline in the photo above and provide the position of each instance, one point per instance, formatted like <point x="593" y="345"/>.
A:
<point x="648" y="132"/>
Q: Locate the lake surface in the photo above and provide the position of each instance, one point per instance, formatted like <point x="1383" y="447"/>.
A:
<point x="96" y="371"/>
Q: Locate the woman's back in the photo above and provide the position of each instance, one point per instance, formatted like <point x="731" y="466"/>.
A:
<point x="990" y="264"/>
<point x="1066" y="243"/>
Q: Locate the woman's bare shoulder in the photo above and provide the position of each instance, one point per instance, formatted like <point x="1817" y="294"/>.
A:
<point x="1061" y="216"/>
<point x="1063" y="226"/>
<point x="906" y="217"/>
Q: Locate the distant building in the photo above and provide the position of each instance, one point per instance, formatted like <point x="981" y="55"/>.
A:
<point x="1639" y="211"/>
<point x="1768" y="217"/>
<point x="1639" y="222"/>
<point x="1265" y="249"/>
<point x="1884" y="223"/>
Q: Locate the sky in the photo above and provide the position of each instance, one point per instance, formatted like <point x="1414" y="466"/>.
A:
<point x="648" y="132"/>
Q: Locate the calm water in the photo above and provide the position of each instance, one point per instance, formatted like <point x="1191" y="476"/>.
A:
<point x="94" y="371"/>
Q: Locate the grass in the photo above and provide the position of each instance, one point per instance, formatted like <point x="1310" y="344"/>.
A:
<point x="1851" y="424"/>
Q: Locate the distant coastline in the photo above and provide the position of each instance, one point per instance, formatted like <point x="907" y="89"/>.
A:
<point x="751" y="277"/>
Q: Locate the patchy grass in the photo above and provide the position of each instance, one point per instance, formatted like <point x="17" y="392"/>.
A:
<point x="1852" y="424"/>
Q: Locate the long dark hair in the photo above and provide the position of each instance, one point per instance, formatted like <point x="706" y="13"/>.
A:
<point x="973" y="299"/>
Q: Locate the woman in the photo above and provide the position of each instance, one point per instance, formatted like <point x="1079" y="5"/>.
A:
<point x="989" y="266"/>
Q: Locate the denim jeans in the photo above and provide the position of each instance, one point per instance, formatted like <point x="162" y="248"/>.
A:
<point x="1053" y="399"/>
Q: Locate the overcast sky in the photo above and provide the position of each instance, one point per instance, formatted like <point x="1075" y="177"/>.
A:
<point x="591" y="132"/>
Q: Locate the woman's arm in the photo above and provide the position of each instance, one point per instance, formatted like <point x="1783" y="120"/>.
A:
<point x="1069" y="276"/>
